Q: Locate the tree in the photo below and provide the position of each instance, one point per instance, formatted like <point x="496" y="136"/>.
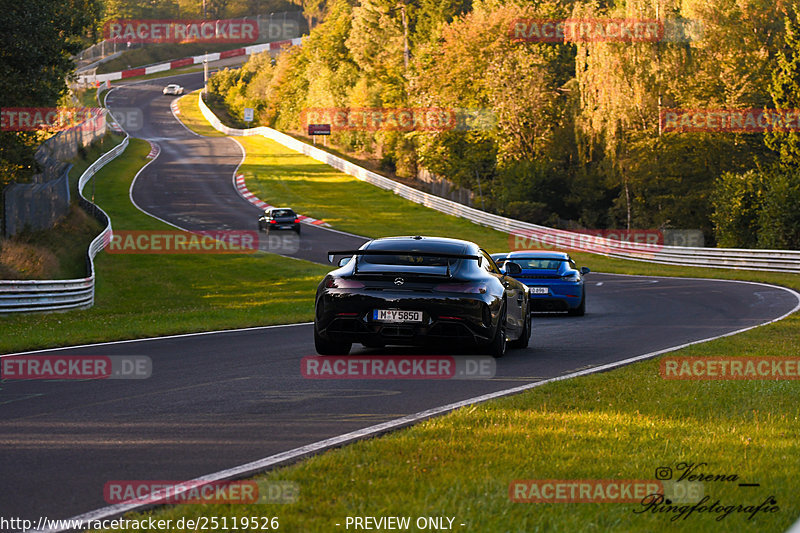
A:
<point x="737" y="199"/>
<point x="313" y="10"/>
<point x="785" y="91"/>
<point x="779" y="216"/>
<point x="146" y="9"/>
<point x="37" y="40"/>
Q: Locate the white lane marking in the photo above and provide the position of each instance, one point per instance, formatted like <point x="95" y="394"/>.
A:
<point x="158" y="139"/>
<point x="261" y="465"/>
<point x="172" y="106"/>
<point x="599" y="283"/>
<point x="244" y="154"/>
<point x="130" y="196"/>
<point x="133" y="182"/>
<point x="146" y="339"/>
<point x="264" y="464"/>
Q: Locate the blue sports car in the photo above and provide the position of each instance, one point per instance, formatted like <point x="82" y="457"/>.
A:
<point x="554" y="281"/>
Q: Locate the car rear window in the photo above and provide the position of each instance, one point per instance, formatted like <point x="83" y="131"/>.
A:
<point x="409" y="260"/>
<point x="537" y="263"/>
<point x="406" y="256"/>
<point x="283" y="213"/>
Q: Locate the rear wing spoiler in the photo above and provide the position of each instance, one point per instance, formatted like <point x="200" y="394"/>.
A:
<point x="445" y="255"/>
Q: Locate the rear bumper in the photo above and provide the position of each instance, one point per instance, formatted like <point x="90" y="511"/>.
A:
<point x="347" y="316"/>
<point x="278" y="227"/>
<point x="562" y="296"/>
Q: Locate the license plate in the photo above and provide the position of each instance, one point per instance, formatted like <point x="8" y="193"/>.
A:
<point x="396" y="315"/>
<point x="539" y="290"/>
<point x="286" y="226"/>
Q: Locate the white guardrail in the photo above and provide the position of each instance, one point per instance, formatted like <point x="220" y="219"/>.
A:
<point x="524" y="232"/>
<point x="61" y="295"/>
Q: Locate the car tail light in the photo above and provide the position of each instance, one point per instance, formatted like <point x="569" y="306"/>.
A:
<point x="297" y="221"/>
<point x="273" y="221"/>
<point x="574" y="277"/>
<point x="343" y="283"/>
<point x="470" y="288"/>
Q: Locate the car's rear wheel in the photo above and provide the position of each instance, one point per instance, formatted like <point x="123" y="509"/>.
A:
<point x="581" y="309"/>
<point x="497" y="348"/>
<point x="328" y="347"/>
<point x="524" y="339"/>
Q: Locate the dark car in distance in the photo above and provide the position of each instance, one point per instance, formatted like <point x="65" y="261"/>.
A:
<point x="277" y="218"/>
<point x="420" y="291"/>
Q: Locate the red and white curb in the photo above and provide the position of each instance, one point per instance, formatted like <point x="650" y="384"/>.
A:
<point x="245" y="193"/>
<point x="174" y="106"/>
<point x="187" y="61"/>
<point x="155" y="149"/>
<point x="113" y="125"/>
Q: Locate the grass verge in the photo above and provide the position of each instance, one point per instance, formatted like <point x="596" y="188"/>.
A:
<point x="192" y="118"/>
<point x="141" y="295"/>
<point x="281" y="176"/>
<point x="58" y="253"/>
<point x="617" y="425"/>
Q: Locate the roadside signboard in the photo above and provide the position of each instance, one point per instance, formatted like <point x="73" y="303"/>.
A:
<point x="319" y="129"/>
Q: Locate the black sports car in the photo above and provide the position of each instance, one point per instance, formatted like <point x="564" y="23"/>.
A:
<point x="420" y="291"/>
<point x="279" y="218"/>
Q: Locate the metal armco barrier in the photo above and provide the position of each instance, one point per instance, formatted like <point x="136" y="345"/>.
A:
<point x="736" y="258"/>
<point x="61" y="295"/>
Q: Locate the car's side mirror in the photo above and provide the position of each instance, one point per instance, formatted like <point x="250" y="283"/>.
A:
<point x="512" y="269"/>
<point x="343" y="261"/>
<point x="585" y="270"/>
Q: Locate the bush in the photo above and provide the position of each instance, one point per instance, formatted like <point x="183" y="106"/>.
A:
<point x="737" y="200"/>
<point x="758" y="209"/>
<point x="779" y="217"/>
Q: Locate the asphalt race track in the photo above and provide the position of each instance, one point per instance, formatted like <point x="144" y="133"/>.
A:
<point x="219" y="400"/>
<point x="190" y="183"/>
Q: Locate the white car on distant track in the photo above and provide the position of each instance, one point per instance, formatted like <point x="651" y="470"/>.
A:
<point x="173" y="88"/>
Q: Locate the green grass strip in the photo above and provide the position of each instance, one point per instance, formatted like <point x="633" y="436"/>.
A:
<point x="142" y="295"/>
<point x="616" y="425"/>
<point x="281" y="176"/>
